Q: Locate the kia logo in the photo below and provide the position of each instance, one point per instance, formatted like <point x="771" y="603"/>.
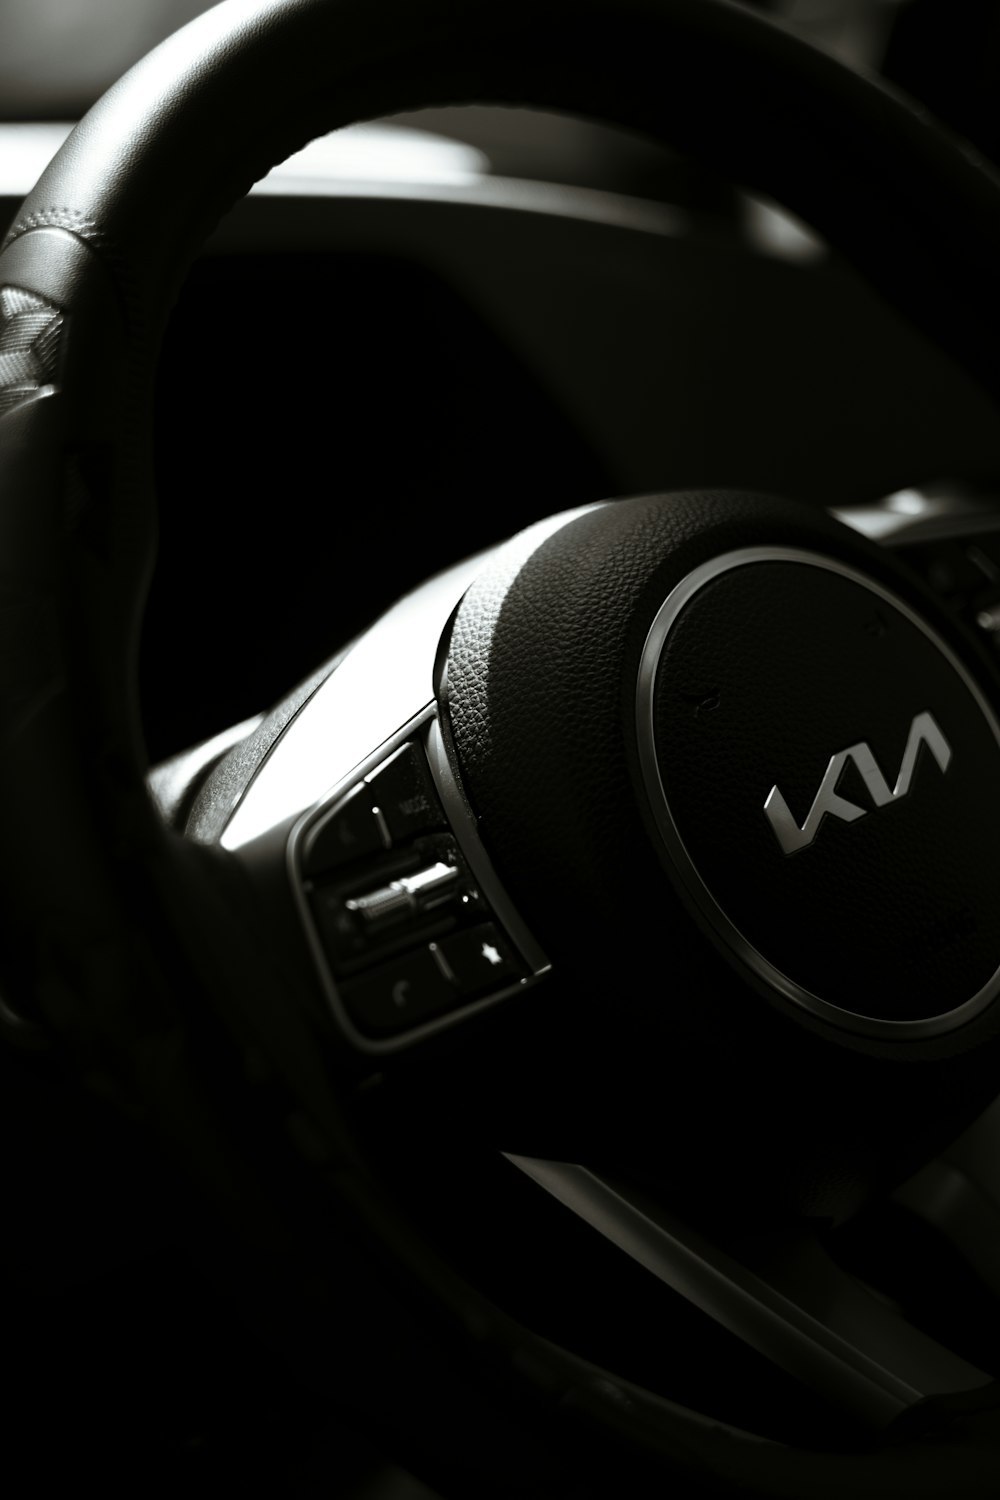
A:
<point x="793" y="839"/>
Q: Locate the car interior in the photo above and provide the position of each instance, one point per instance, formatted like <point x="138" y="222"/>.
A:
<point x="500" y="629"/>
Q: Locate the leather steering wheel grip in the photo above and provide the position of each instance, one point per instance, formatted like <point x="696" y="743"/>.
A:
<point x="90" y="879"/>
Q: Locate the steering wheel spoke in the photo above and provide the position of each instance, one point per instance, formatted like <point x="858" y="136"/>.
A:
<point x="958" y="1194"/>
<point x="784" y="1295"/>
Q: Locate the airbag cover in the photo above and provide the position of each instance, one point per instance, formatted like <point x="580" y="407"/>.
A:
<point x="821" y="770"/>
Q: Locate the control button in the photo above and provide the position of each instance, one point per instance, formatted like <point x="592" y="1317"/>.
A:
<point x="401" y="994"/>
<point x="480" y="959"/>
<point x="404" y="793"/>
<point x="405" y="897"/>
<point x="950" y="570"/>
<point x="382" y="908"/>
<point x="431" y="885"/>
<point x="348" y="832"/>
<point x="342" y="933"/>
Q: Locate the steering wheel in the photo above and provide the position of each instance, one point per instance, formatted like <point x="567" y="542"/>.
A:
<point x="622" y="904"/>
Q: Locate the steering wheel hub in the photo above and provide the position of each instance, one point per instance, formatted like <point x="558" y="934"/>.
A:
<point x="817" y="761"/>
<point x="737" y="691"/>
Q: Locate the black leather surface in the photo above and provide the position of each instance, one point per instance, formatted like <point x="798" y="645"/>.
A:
<point x="541" y="684"/>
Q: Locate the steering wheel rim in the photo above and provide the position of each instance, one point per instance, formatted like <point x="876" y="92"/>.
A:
<point x="95" y="259"/>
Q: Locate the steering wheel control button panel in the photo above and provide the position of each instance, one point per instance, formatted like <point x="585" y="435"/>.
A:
<point x="965" y="575"/>
<point x="400" y="922"/>
<point x="948" y="533"/>
<point x="848" y="755"/>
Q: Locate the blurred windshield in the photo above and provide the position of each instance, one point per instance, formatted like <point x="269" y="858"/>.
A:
<point x="58" y="56"/>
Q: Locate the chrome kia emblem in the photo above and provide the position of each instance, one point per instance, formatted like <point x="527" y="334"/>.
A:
<point x="793" y="838"/>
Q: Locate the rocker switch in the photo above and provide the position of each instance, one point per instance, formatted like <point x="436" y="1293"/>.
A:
<point x="404" y="897"/>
